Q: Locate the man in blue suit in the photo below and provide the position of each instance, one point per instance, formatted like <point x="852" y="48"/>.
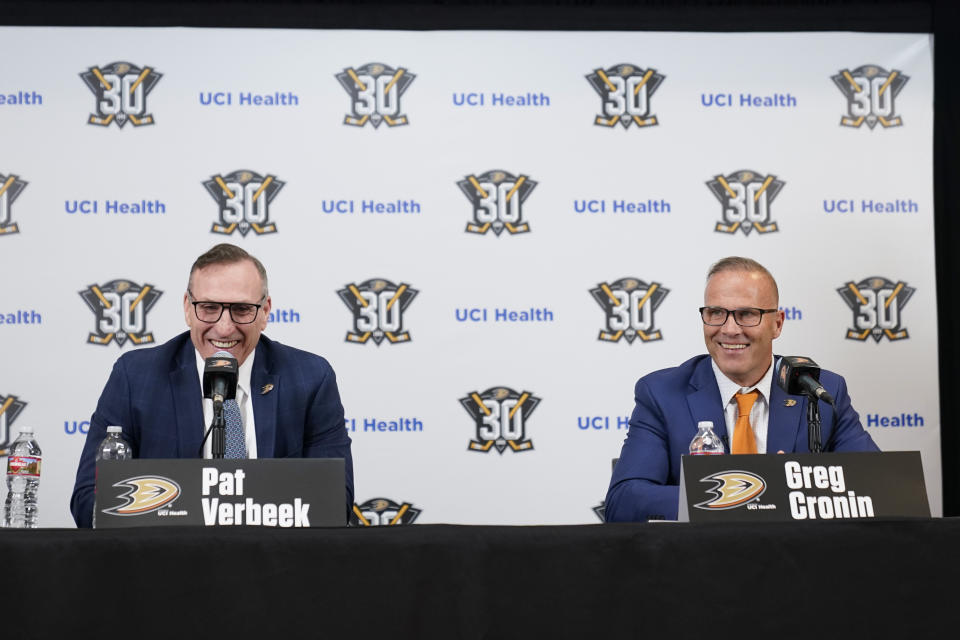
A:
<point x="740" y="322"/>
<point x="288" y="399"/>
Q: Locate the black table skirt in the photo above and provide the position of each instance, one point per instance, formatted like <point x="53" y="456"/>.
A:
<point x="824" y="580"/>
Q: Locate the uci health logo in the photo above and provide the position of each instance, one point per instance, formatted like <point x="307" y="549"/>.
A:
<point x="243" y="201"/>
<point x="375" y="90"/>
<point x="876" y="304"/>
<point x="379" y="512"/>
<point x="745" y="199"/>
<point x="500" y="417"/>
<point x="120" y="90"/>
<point x="378" y="306"/>
<point x="871" y="92"/>
<point x="625" y="92"/>
<point x="120" y="308"/>
<point x="629" y="304"/>
<point x="10" y="408"/>
<point x="497" y="198"/>
<point x="10" y="188"/>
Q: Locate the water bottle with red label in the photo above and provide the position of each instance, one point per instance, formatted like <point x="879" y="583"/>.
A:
<point x="23" y="481"/>
<point x="706" y="442"/>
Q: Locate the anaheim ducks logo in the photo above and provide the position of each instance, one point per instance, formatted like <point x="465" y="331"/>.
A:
<point x="145" y="494"/>
<point x="244" y="199"/>
<point x="732" y="489"/>
<point x="383" y="512"/>
<point x="745" y="199"/>
<point x="877" y="303"/>
<point x="625" y="91"/>
<point x="121" y="90"/>
<point x="498" y="199"/>
<point x="10" y="188"/>
<point x="870" y="91"/>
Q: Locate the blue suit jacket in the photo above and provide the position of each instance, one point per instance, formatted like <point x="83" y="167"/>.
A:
<point x="156" y="396"/>
<point x="669" y="403"/>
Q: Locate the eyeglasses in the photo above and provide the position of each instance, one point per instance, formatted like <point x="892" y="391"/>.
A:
<point x="211" y="312"/>
<point x="746" y="317"/>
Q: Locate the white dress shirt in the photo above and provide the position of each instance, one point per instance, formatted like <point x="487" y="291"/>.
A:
<point x="759" y="414"/>
<point x="243" y="401"/>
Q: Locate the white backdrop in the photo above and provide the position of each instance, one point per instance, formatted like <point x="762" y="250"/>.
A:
<point x="551" y="252"/>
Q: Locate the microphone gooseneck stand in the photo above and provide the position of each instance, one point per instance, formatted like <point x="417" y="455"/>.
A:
<point x="218" y="444"/>
<point x="813" y="423"/>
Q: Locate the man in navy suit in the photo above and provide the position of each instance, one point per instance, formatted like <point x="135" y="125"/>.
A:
<point x="288" y="398"/>
<point x="740" y="322"/>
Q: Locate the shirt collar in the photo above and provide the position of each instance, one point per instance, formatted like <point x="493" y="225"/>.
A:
<point x="729" y="388"/>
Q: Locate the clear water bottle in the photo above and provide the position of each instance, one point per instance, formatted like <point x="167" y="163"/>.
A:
<point x="113" y="447"/>
<point x="706" y="442"/>
<point x="23" y="481"/>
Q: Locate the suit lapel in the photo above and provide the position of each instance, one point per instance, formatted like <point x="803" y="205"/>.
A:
<point x="264" y="395"/>
<point x="704" y="399"/>
<point x="187" y="403"/>
<point x="785" y="421"/>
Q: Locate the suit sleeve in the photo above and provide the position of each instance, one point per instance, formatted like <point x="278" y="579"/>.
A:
<point x="848" y="433"/>
<point x="639" y="489"/>
<point x="113" y="408"/>
<point x="325" y="434"/>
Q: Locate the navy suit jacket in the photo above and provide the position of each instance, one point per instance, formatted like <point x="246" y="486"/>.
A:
<point x="156" y="396"/>
<point x="669" y="403"/>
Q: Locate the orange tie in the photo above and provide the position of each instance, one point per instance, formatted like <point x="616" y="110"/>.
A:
<point x="743" y="440"/>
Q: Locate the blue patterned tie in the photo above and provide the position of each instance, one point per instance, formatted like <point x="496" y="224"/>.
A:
<point x="236" y="446"/>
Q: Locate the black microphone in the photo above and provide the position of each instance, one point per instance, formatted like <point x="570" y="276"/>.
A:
<point x="220" y="373"/>
<point x="801" y="375"/>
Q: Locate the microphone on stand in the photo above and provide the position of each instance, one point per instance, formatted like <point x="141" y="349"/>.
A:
<point x="801" y="375"/>
<point x="220" y="374"/>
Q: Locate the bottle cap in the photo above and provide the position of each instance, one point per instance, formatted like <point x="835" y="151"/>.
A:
<point x="114" y="429"/>
<point x="705" y="423"/>
<point x="26" y="431"/>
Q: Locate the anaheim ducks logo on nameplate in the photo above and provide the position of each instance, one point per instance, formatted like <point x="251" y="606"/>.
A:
<point x="732" y="489"/>
<point x="876" y="304"/>
<point x="625" y="92"/>
<point x="500" y="416"/>
<point x="10" y="188"/>
<point x="120" y="90"/>
<point x="121" y="308"/>
<point x="378" y="307"/>
<point x="497" y="198"/>
<point x="378" y="512"/>
<point x="243" y="201"/>
<point x="745" y="199"/>
<point x="144" y="494"/>
<point x="375" y="90"/>
<point x="629" y="304"/>
<point x="10" y="408"/>
<point x="871" y="92"/>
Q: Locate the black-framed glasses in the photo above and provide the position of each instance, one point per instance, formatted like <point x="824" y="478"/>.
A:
<point x="746" y="317"/>
<point x="211" y="312"/>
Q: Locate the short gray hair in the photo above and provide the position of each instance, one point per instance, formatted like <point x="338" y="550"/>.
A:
<point x="739" y="263"/>
<point x="226" y="253"/>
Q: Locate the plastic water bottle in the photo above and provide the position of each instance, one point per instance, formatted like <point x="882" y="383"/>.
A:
<point x="706" y="442"/>
<point x="113" y="447"/>
<point x="23" y="481"/>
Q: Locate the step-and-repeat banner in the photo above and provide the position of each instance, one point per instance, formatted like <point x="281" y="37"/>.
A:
<point x="490" y="235"/>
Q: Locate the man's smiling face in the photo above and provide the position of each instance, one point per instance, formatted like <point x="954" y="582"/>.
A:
<point x="232" y="282"/>
<point x="743" y="354"/>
